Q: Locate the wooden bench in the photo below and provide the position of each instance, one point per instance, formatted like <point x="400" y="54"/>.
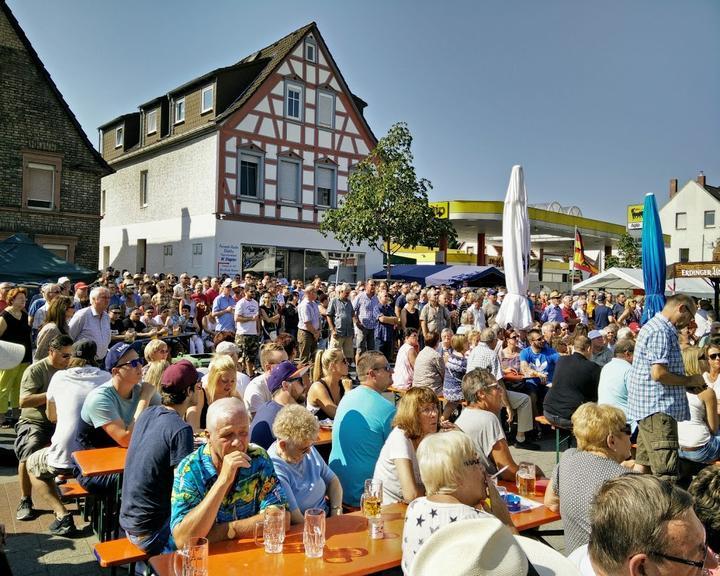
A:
<point x="72" y="490"/>
<point x="558" y="440"/>
<point x="114" y="553"/>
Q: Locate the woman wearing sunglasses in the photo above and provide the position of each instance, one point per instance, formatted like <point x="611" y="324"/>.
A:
<point x="712" y="376"/>
<point x="698" y="437"/>
<point x="603" y="443"/>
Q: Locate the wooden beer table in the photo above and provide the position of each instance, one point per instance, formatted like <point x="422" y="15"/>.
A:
<point x="99" y="461"/>
<point x="349" y="551"/>
<point x="324" y="437"/>
<point x="534" y="518"/>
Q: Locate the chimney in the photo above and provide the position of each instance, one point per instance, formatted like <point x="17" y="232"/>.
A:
<point x="701" y="179"/>
<point x="673" y="187"/>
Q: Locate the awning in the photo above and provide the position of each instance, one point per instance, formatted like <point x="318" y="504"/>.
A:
<point x="617" y="279"/>
<point x="473" y="275"/>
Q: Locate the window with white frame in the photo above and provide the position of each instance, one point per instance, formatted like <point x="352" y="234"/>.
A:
<point x="179" y="110"/>
<point x="709" y="218"/>
<point x="325" y="186"/>
<point x="289" y="180"/>
<point x="144" y="188"/>
<point x="167" y="250"/>
<point x="119" y="137"/>
<point x="294" y="96"/>
<point x="197" y="250"/>
<point x="250" y="174"/>
<point x="40" y="185"/>
<point x="207" y="99"/>
<point x="310" y="50"/>
<point x="151" y="121"/>
<point x="325" y="109"/>
<point x="681" y="221"/>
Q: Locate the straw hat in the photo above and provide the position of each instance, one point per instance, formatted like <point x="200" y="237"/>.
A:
<point x="485" y="546"/>
<point x="11" y="354"/>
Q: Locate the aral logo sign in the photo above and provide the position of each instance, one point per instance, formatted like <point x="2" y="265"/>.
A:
<point x="635" y="217"/>
<point x="442" y="209"/>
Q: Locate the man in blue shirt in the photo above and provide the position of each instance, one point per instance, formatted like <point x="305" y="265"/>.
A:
<point x="223" y="309"/>
<point x="160" y="440"/>
<point x="612" y="388"/>
<point x="365" y="308"/>
<point x="601" y="314"/>
<point x="537" y="362"/>
<point x="553" y="312"/>
<point x="362" y="424"/>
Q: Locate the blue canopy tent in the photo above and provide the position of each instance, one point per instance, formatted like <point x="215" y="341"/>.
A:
<point x="436" y="274"/>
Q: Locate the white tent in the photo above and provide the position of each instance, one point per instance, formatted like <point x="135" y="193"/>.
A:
<point x="615" y="279"/>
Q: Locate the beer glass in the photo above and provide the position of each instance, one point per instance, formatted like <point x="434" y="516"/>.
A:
<point x="192" y="559"/>
<point x="314" y="532"/>
<point x="372" y="497"/>
<point x="273" y="529"/>
<point x="525" y="479"/>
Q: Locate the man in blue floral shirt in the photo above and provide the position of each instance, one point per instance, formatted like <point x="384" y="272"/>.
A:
<point x="222" y="488"/>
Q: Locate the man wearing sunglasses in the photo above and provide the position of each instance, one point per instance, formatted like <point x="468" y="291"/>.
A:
<point x="109" y="412"/>
<point x="34" y="430"/>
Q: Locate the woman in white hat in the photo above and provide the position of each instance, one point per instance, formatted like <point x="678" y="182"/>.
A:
<point x="456" y="488"/>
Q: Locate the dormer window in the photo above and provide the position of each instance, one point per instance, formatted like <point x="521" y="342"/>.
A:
<point x="180" y="110"/>
<point x="207" y="99"/>
<point x="119" y="137"/>
<point x="310" y="49"/>
<point x="151" y="121"/>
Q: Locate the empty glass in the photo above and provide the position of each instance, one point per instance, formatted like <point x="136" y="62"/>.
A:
<point x="314" y="532"/>
<point x="192" y="558"/>
<point x="273" y="529"/>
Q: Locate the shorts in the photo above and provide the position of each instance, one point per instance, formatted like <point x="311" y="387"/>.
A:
<point x="248" y="346"/>
<point x="658" y="445"/>
<point x="365" y="339"/>
<point x="30" y="438"/>
<point x="37" y="465"/>
<point x="344" y="343"/>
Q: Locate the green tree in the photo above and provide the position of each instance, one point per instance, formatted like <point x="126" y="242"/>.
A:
<point x="629" y="253"/>
<point x="387" y="203"/>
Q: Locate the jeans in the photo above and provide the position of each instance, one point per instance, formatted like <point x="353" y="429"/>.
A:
<point x="708" y="453"/>
<point x="153" y="542"/>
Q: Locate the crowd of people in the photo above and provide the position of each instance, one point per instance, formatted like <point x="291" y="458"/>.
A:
<point x="209" y="449"/>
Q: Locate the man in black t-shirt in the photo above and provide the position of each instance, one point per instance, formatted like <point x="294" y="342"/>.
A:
<point x="160" y="440"/>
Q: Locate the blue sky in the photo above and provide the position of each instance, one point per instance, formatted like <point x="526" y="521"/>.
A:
<point x="601" y="102"/>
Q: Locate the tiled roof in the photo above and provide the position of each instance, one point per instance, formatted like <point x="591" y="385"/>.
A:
<point x="104" y="167"/>
<point x="714" y="191"/>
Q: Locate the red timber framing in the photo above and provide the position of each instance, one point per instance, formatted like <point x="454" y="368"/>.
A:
<point x="268" y="109"/>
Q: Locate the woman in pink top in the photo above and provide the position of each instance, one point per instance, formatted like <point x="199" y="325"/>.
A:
<point x="405" y="361"/>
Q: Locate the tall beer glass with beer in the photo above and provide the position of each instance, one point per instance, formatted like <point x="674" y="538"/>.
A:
<point x="525" y="479"/>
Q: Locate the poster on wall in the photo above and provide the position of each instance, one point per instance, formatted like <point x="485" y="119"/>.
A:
<point x="228" y="261"/>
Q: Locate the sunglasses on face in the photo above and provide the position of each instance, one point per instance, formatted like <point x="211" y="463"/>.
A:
<point x="714" y="356"/>
<point x="134" y="363"/>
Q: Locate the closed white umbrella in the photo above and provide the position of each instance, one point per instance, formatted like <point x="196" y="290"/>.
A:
<point x="515" y="309"/>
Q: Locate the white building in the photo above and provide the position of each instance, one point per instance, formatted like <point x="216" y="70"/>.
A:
<point x="232" y="171"/>
<point x="691" y="218"/>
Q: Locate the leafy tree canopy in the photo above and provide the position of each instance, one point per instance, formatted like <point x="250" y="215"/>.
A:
<point x="387" y="204"/>
<point x="629" y="254"/>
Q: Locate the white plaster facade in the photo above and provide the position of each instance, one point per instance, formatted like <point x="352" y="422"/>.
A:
<point x="690" y="232"/>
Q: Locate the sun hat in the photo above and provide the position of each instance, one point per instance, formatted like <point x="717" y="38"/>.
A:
<point x="11" y="354"/>
<point x="554" y="294"/>
<point x="178" y="377"/>
<point x="283" y="372"/>
<point x="485" y="546"/>
<point x="594" y="334"/>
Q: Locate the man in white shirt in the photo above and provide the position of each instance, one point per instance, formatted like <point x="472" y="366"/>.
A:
<point x="247" y="320"/>
<point x="257" y="392"/>
<point x="308" y="326"/>
<point x="93" y="322"/>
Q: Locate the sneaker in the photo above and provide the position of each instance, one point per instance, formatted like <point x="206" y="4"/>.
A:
<point x="25" y="510"/>
<point x="527" y="445"/>
<point x="64" y="526"/>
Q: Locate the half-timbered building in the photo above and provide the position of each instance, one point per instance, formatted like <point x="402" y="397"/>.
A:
<point x="232" y="171"/>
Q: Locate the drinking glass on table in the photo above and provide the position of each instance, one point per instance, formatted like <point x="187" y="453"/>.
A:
<point x="273" y="528"/>
<point x="525" y="479"/>
<point x="192" y="559"/>
<point x="314" y="532"/>
<point x="371" y="500"/>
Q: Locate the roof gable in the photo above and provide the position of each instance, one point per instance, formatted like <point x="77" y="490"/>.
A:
<point x="54" y="89"/>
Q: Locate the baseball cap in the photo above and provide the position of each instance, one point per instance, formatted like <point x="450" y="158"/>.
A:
<point x="178" y="377"/>
<point x="594" y="334"/>
<point x="85" y="349"/>
<point x="80" y="285"/>
<point x="115" y="353"/>
<point x="227" y="283"/>
<point x="63" y="280"/>
<point x="283" y="372"/>
<point x="492" y="292"/>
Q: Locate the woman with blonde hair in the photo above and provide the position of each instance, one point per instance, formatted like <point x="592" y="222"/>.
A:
<point x="456" y="488"/>
<point x="603" y="443"/>
<point x="308" y="482"/>
<point x="397" y="467"/>
<point x="455" y="369"/>
<point x="221" y="383"/>
<point x="329" y="373"/>
<point x="154" y="373"/>
<point x="156" y="350"/>
<point x="698" y="437"/>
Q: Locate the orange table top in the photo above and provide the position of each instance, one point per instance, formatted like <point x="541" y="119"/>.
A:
<point x="324" y="437"/>
<point x="530" y="518"/>
<point x="98" y="461"/>
<point x="349" y="550"/>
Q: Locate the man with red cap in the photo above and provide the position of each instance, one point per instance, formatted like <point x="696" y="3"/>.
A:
<point x="160" y="440"/>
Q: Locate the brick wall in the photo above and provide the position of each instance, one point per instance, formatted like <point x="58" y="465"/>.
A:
<point x="33" y="118"/>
